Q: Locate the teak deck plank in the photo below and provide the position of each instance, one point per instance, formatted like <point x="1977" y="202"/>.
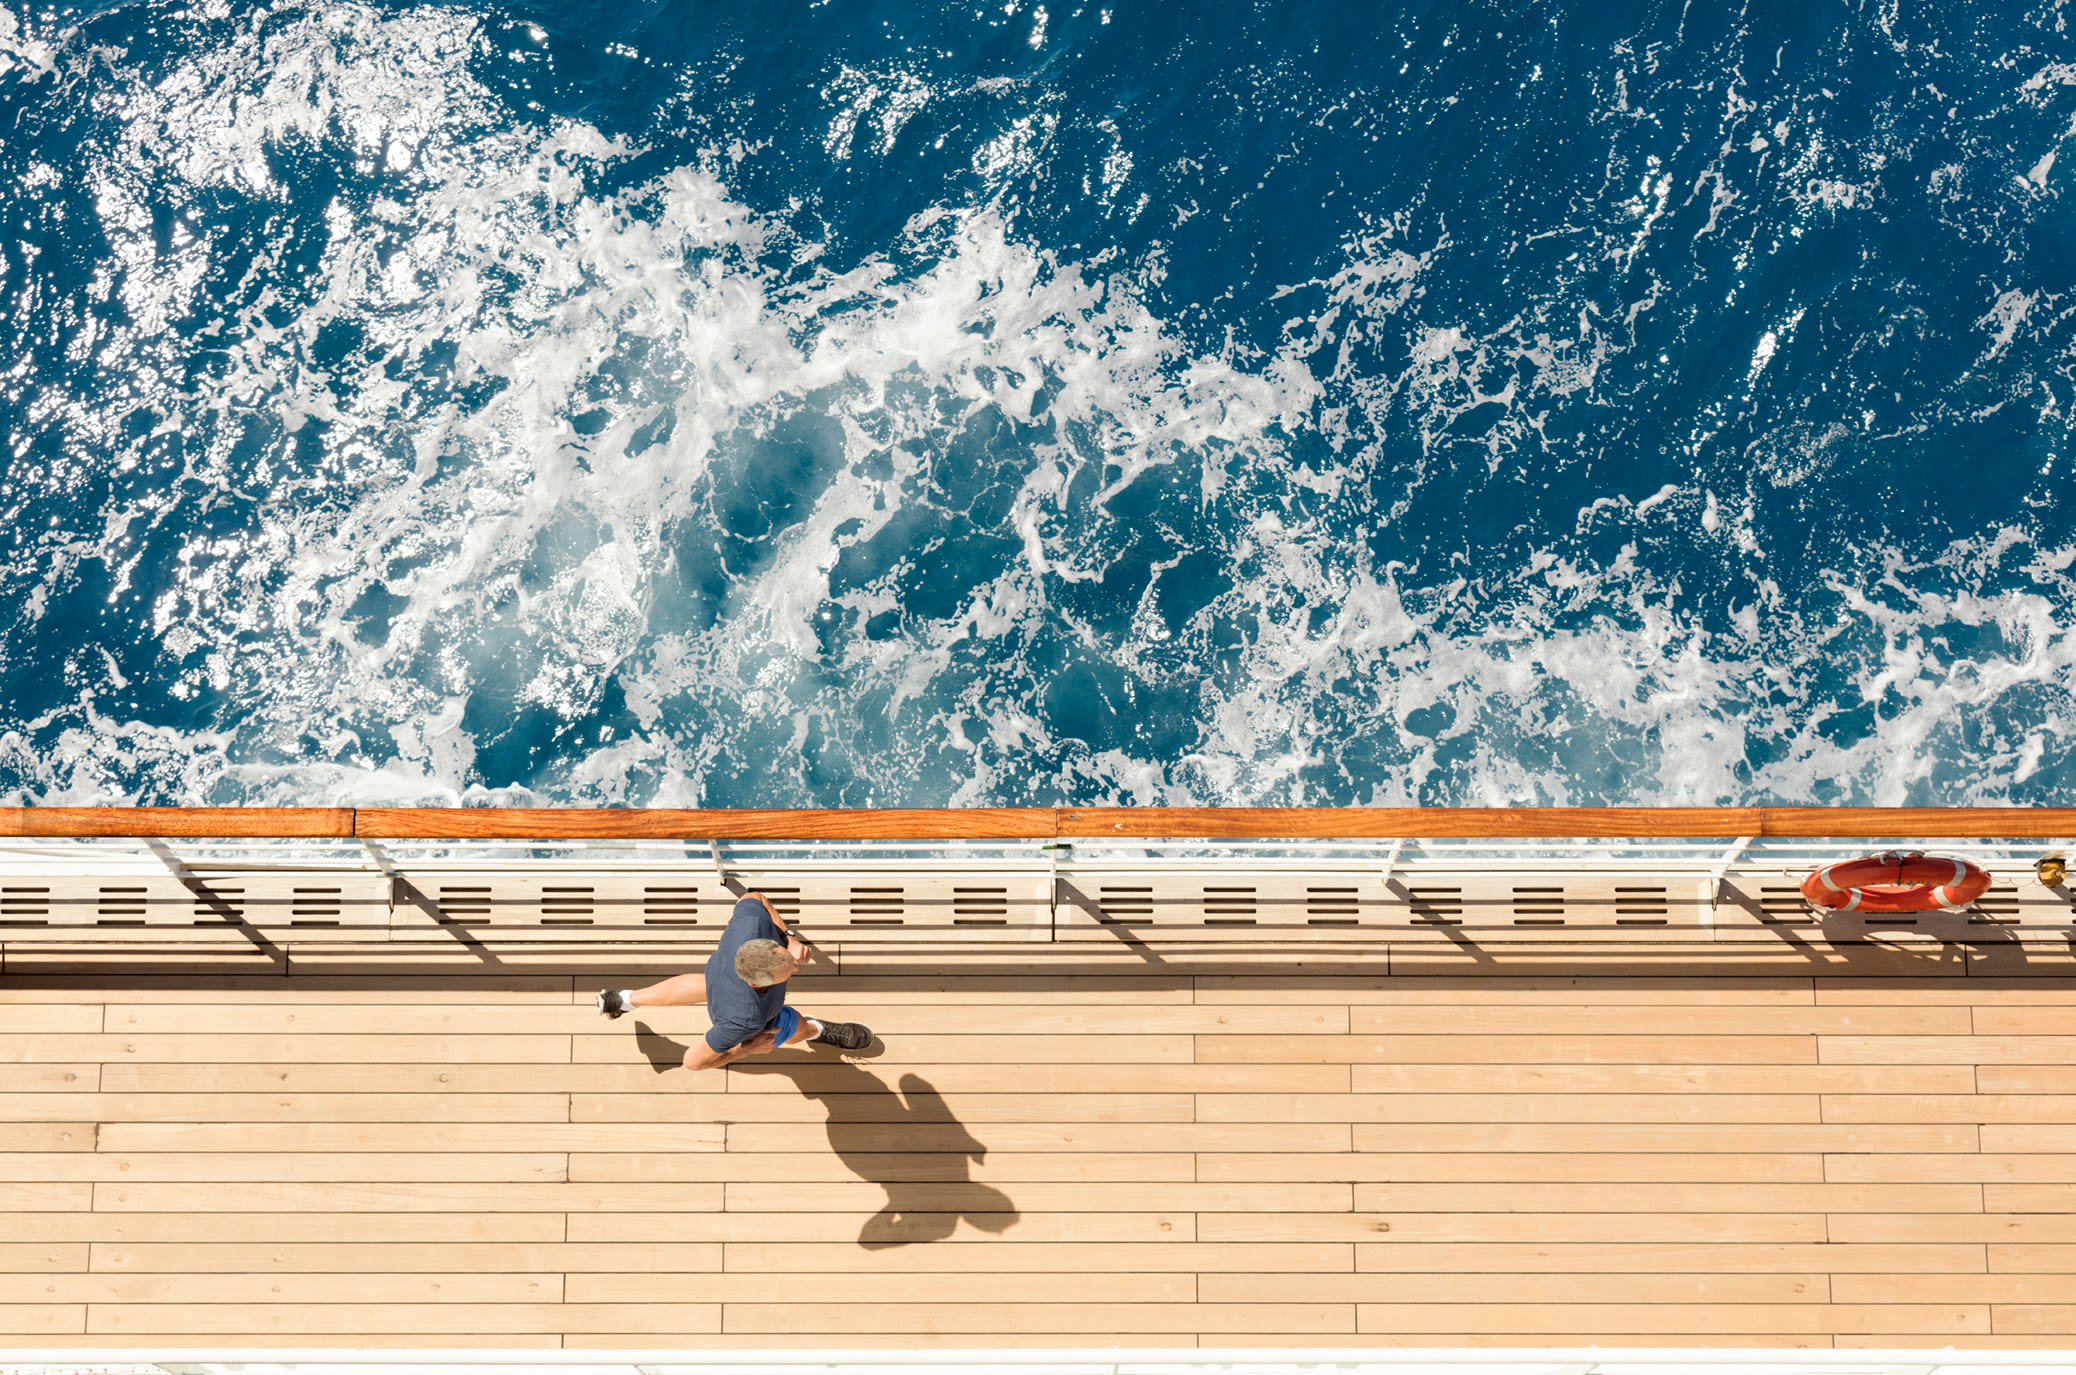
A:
<point x="881" y="1290"/>
<point x="1485" y="1227"/>
<point x="404" y="1135"/>
<point x="920" y="1225"/>
<point x="388" y="1258"/>
<point x="308" y="1228"/>
<point x="1584" y="1019"/>
<point x="318" y="1287"/>
<point x="1511" y="1167"/>
<point x="748" y="1171"/>
<point x="255" y="1167"/>
<point x="112" y="1108"/>
<point x="1304" y="1154"/>
<point x="1355" y="1108"/>
<point x="1407" y="1287"/>
<point x="1730" y="1258"/>
<point x="1611" y="1048"/>
<point x="1038" y="1257"/>
<point x="1655" y="1078"/>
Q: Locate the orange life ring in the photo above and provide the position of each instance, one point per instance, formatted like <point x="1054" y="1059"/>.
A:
<point x="1892" y="882"/>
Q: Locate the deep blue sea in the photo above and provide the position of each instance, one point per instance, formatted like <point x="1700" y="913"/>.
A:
<point x="876" y="402"/>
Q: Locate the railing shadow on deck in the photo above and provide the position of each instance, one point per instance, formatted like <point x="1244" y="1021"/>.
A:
<point x="1840" y="946"/>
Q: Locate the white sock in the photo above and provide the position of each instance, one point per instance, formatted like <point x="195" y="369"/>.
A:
<point x="627" y="997"/>
<point x="817" y="1028"/>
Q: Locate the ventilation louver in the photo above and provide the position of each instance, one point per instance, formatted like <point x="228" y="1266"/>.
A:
<point x="1642" y="907"/>
<point x="24" y="907"/>
<point x="120" y="907"/>
<point x="1436" y="906"/>
<point x="314" y="907"/>
<point x="219" y="906"/>
<point x="876" y="906"/>
<point x="980" y="907"/>
<point x="565" y="906"/>
<point x="1997" y="907"/>
<point x="1121" y="904"/>
<point x="670" y="906"/>
<point x="1538" y="907"/>
<point x="1332" y="907"/>
<point x="465" y="906"/>
<point x="1784" y="905"/>
<point x="1226" y="906"/>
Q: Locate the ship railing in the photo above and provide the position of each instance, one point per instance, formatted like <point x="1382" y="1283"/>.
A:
<point x="1139" y="876"/>
<point x="1389" y="840"/>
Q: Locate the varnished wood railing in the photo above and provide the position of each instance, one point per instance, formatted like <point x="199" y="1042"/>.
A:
<point x="1035" y="823"/>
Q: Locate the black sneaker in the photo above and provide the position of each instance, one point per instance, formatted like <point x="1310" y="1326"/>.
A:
<point x="844" y="1035"/>
<point x="611" y="1003"/>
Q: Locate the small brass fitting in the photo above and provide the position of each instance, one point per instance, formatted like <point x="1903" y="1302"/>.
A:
<point x="2052" y="871"/>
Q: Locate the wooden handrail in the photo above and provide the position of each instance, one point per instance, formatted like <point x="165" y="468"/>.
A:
<point x="321" y="823"/>
<point x="1905" y="822"/>
<point x="1324" y="823"/>
<point x="549" y="823"/>
<point x="1034" y="823"/>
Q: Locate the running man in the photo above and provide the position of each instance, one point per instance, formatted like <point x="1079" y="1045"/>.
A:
<point x="744" y="989"/>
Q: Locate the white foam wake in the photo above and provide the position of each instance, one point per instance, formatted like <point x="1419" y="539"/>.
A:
<point x="482" y="451"/>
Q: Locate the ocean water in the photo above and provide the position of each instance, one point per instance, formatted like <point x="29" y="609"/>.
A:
<point x="873" y="402"/>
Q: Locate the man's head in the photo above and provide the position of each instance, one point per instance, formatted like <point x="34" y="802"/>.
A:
<point x="762" y="963"/>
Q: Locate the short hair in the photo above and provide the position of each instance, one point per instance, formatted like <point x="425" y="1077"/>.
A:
<point x="758" y="963"/>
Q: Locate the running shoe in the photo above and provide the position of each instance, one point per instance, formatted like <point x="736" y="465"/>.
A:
<point x="844" y="1035"/>
<point x="611" y="1003"/>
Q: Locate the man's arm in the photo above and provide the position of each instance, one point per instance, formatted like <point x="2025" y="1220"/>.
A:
<point x="772" y="912"/>
<point x="800" y="950"/>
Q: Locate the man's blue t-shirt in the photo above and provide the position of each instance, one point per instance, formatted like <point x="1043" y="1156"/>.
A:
<point x="740" y="1011"/>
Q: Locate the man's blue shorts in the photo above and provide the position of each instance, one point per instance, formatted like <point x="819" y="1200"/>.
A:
<point x="788" y="1023"/>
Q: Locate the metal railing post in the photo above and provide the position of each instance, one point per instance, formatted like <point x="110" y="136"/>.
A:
<point x="165" y="855"/>
<point x="1052" y="850"/>
<point x="1722" y="871"/>
<point x="390" y="872"/>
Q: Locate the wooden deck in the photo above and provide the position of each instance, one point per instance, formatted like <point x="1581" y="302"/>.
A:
<point x="1785" y="1144"/>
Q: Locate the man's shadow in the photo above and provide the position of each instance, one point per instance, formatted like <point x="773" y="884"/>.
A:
<point x="876" y="1131"/>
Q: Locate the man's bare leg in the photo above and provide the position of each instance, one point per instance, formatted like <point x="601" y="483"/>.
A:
<point x="683" y="990"/>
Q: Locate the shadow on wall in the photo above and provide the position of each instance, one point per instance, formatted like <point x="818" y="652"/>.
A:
<point x="905" y="1140"/>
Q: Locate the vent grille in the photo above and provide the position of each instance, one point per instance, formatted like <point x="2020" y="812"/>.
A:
<point x="465" y="906"/>
<point x="1436" y="906"/>
<point x="1332" y="907"/>
<point x="219" y="906"/>
<point x="24" y="907"/>
<point x="1538" y="907"/>
<point x="314" y="907"/>
<point x="980" y="907"/>
<point x="876" y="906"/>
<point x="120" y="907"/>
<point x="670" y="906"/>
<point x="1228" y="906"/>
<point x="1785" y="906"/>
<point x="786" y="900"/>
<point x="565" y="906"/>
<point x="1997" y="907"/>
<point x="1125" y="904"/>
<point x="1642" y="907"/>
